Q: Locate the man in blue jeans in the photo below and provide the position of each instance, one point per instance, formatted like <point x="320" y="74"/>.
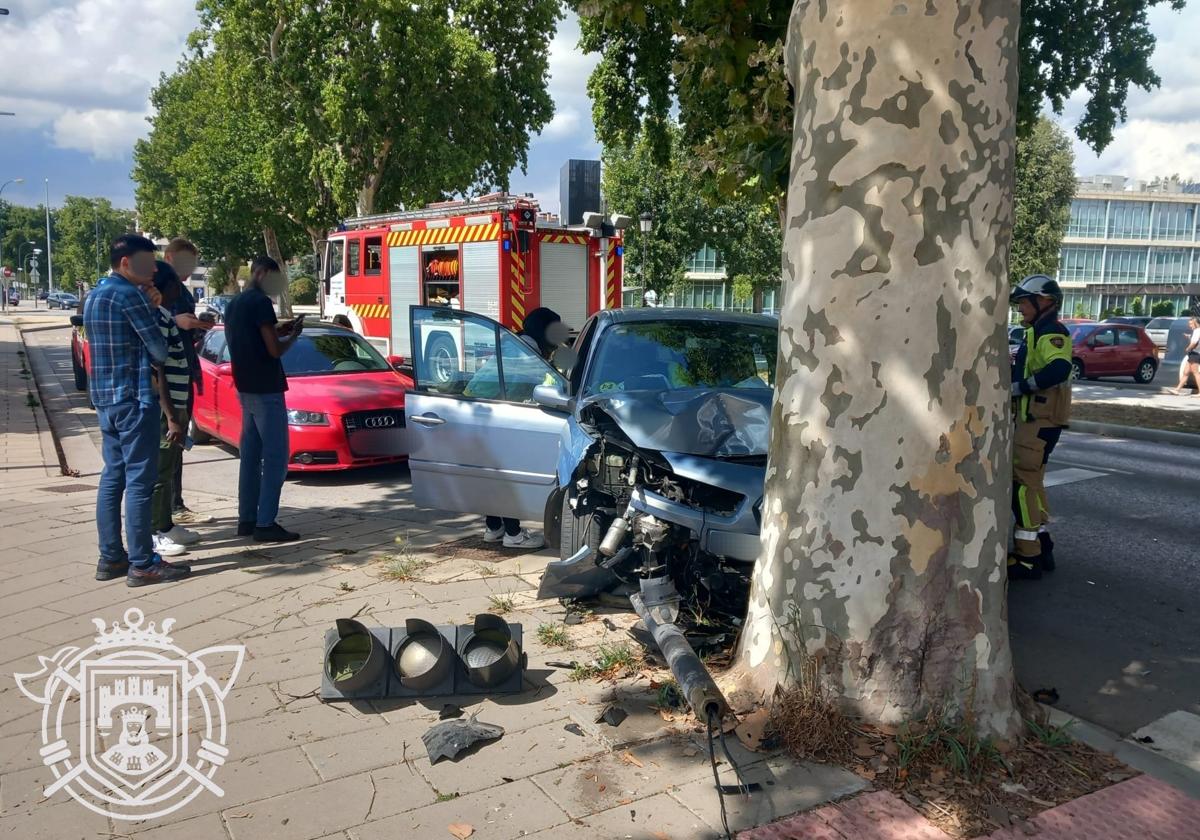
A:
<point x="126" y="344"/>
<point x="257" y="341"/>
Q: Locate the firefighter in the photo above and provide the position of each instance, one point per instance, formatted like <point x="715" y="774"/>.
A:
<point x="1041" y="392"/>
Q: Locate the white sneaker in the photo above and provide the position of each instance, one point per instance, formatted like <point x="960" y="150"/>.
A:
<point x="490" y="536"/>
<point x="183" y="536"/>
<point x="524" y="540"/>
<point x="167" y="547"/>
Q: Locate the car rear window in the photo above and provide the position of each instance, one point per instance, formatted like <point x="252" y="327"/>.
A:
<point x="1161" y="323"/>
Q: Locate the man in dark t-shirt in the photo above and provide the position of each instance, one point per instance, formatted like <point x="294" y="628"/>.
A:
<point x="257" y="342"/>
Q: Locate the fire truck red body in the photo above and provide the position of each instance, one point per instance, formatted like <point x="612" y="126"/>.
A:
<point x="496" y="255"/>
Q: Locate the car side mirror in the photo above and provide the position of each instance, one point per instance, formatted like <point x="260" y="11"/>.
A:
<point x="225" y="369"/>
<point x="76" y="320"/>
<point x="396" y="362"/>
<point x="549" y="396"/>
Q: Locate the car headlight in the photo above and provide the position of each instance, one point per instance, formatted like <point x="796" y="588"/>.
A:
<point x="307" y="418"/>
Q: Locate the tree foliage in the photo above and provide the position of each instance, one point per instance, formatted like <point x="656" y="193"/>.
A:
<point x="721" y="64"/>
<point x="688" y="212"/>
<point x="19" y="226"/>
<point x="83" y="229"/>
<point x="1164" y="308"/>
<point x="1045" y="185"/>
<point x="389" y="103"/>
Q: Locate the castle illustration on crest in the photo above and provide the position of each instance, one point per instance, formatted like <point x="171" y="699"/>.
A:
<point x="134" y="689"/>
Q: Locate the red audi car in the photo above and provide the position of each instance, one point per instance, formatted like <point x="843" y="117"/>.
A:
<point x="345" y="401"/>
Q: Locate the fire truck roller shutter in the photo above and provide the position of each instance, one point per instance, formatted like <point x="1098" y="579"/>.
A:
<point x="481" y="278"/>
<point x="564" y="281"/>
<point x="406" y="292"/>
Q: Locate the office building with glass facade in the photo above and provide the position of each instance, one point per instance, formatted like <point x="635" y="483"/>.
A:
<point x="1129" y="240"/>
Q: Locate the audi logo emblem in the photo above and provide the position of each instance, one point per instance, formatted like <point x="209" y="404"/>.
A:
<point x="382" y="422"/>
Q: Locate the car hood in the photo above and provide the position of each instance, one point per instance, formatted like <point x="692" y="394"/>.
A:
<point x="727" y="423"/>
<point x="340" y="394"/>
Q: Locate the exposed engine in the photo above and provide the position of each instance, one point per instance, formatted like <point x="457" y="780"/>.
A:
<point x="636" y="545"/>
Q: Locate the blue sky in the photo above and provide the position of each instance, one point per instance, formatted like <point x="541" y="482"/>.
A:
<point x="79" y="83"/>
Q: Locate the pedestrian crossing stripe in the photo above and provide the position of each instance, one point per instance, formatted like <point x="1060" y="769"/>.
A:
<point x="1070" y="475"/>
<point x="372" y="310"/>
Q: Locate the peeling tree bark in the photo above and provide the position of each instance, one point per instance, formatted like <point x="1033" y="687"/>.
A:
<point x="886" y="514"/>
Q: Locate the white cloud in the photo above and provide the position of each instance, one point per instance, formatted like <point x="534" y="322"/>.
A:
<point x="570" y="68"/>
<point x="77" y="66"/>
<point x="564" y="124"/>
<point x="1162" y="134"/>
<point x="103" y="133"/>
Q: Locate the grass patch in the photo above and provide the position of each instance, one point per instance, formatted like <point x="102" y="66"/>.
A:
<point x="1049" y="734"/>
<point x="402" y="567"/>
<point x="446" y="797"/>
<point x="668" y="696"/>
<point x="612" y="662"/>
<point x="554" y="635"/>
<point x="345" y="587"/>
<point x="502" y="603"/>
<point x="31" y="400"/>
<point x="485" y="570"/>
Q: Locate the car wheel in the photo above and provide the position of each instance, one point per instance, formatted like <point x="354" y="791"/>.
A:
<point x="80" y="374"/>
<point x="1076" y="369"/>
<point x="441" y="358"/>
<point x="197" y="434"/>
<point x="1145" y="372"/>
<point x="578" y="530"/>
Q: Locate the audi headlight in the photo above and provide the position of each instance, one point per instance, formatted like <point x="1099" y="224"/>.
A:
<point x="307" y="418"/>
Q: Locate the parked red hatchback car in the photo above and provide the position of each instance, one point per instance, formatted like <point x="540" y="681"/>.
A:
<point x="1112" y="350"/>
<point x="345" y="401"/>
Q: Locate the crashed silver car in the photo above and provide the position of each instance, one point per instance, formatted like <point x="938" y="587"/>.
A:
<point x="645" y="462"/>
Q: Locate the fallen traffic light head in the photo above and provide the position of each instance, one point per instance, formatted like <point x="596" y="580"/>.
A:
<point x="424" y="658"/>
<point x="355" y="661"/>
<point x="490" y="655"/>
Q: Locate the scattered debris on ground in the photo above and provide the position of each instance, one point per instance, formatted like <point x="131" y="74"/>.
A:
<point x="450" y="738"/>
<point x="477" y="549"/>
<point x="965" y="785"/>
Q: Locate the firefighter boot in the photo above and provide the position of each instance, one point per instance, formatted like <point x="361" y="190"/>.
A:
<point x="1047" y="550"/>
<point x="1024" y="568"/>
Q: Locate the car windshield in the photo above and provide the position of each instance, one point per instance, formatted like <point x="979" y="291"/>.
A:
<point x="675" y="355"/>
<point x="219" y="301"/>
<point x="325" y="353"/>
<point x="1160" y="323"/>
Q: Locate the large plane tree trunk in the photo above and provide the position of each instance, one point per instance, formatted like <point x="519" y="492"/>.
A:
<point x="886" y="513"/>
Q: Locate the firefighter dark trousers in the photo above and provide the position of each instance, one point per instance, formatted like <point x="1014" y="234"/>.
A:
<point x="1035" y="440"/>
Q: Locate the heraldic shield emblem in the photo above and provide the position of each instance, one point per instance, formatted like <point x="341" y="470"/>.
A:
<point x="134" y="726"/>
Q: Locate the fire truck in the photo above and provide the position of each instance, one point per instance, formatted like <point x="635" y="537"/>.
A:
<point x="496" y="255"/>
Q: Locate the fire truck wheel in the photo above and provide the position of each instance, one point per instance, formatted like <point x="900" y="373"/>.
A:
<point x="442" y="358"/>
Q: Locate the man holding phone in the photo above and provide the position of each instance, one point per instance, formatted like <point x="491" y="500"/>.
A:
<point x="257" y="342"/>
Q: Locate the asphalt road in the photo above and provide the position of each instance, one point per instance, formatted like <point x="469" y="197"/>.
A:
<point x="1116" y="629"/>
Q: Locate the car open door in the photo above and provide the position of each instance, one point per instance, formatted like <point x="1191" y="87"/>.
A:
<point x="477" y="441"/>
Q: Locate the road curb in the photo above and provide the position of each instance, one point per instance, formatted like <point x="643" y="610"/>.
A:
<point x="71" y="438"/>
<point x="1090" y="427"/>
<point x="1136" y="756"/>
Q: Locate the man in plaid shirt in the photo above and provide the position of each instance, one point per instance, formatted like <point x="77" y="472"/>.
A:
<point x="125" y="343"/>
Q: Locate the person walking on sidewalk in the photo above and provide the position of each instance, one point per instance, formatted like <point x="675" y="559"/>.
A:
<point x="183" y="256"/>
<point x="1191" y="358"/>
<point x="126" y="344"/>
<point x="174" y="388"/>
<point x="1041" y="392"/>
<point x="257" y="342"/>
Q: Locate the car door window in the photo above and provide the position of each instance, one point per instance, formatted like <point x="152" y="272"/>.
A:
<point x="1104" y="338"/>
<point x="214" y="346"/>
<point x="1128" y="338"/>
<point x="353" y="256"/>
<point x="458" y="353"/>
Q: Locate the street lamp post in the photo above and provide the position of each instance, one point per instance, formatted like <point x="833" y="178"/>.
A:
<point x="2" y="186"/>
<point x="646" y="225"/>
